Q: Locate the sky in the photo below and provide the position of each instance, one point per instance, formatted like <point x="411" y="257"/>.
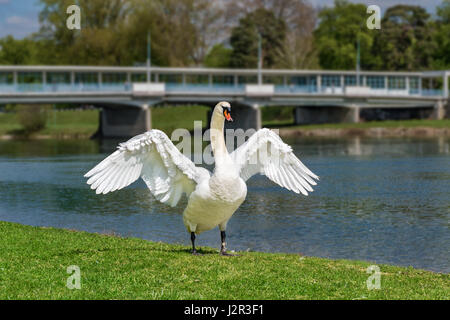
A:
<point x="20" y="18"/>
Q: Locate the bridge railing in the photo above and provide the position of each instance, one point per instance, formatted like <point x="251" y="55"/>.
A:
<point x="295" y="89"/>
<point x="63" y="88"/>
<point x="22" y="79"/>
<point x="432" y="92"/>
<point x="187" y="88"/>
<point x="204" y="88"/>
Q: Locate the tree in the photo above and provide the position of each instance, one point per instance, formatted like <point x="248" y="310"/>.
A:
<point x="172" y="31"/>
<point x="182" y="31"/>
<point x="443" y="12"/>
<point x="101" y="38"/>
<point x="300" y="17"/>
<point x="18" y="52"/>
<point x="441" y="56"/>
<point x="114" y="32"/>
<point x="207" y="18"/>
<point x="337" y="35"/>
<point x="405" y="42"/>
<point x="244" y="39"/>
<point x="218" y="57"/>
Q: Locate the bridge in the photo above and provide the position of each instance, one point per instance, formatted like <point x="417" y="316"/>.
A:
<point x="126" y="94"/>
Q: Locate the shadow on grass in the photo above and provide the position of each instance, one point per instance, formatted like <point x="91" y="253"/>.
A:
<point x="74" y="252"/>
<point x="19" y="132"/>
<point x="189" y="251"/>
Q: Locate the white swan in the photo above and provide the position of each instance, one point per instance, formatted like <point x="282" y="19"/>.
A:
<point x="213" y="198"/>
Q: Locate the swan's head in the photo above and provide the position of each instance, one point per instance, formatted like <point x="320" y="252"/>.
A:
<point x="223" y="108"/>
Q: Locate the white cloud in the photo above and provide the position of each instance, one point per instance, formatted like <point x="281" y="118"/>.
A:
<point x="18" y="20"/>
<point x="18" y="26"/>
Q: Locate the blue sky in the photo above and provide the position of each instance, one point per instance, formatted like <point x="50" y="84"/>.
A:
<point x="20" y="17"/>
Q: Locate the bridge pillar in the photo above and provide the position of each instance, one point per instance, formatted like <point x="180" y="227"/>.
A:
<point x="438" y="110"/>
<point x="353" y="115"/>
<point x="245" y="117"/>
<point x="119" y="122"/>
<point x="445" y="85"/>
<point x="317" y="115"/>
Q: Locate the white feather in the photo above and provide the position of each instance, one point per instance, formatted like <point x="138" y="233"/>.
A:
<point x="154" y="157"/>
<point x="281" y="165"/>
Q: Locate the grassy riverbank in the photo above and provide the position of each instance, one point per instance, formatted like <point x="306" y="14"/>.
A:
<point x="68" y="123"/>
<point x="34" y="261"/>
<point x="82" y="124"/>
<point x="389" y="128"/>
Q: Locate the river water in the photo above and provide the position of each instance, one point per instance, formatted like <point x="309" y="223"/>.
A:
<point x="380" y="200"/>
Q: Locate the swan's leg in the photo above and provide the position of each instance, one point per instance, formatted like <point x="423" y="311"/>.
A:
<point x="223" y="247"/>
<point x="194" y="251"/>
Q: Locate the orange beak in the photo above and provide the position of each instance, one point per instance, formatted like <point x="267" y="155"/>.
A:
<point x="227" y="115"/>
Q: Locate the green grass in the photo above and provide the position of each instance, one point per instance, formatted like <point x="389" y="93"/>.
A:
<point x="84" y="123"/>
<point x="169" y="118"/>
<point x="34" y="261"/>
<point x="8" y="123"/>
<point x="281" y="116"/>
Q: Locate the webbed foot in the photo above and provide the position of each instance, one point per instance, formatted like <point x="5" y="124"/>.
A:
<point x="196" y="253"/>
<point x="224" y="253"/>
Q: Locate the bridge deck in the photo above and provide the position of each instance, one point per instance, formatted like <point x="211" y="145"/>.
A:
<point x="90" y="84"/>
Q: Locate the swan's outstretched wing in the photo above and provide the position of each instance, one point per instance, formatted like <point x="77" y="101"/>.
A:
<point x="152" y="156"/>
<point x="265" y="153"/>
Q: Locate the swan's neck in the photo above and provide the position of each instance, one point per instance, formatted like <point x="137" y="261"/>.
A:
<point x="218" y="146"/>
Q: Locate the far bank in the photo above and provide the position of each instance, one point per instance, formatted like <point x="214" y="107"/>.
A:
<point x="83" y="124"/>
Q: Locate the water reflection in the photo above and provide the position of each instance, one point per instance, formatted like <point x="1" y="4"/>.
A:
<point x="383" y="200"/>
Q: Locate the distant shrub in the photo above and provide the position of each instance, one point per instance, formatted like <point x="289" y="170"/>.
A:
<point x="32" y="117"/>
<point x="10" y="108"/>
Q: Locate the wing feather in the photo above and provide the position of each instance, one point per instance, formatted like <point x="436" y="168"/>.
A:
<point x="102" y="176"/>
<point x="267" y="154"/>
<point x="153" y="157"/>
<point x="289" y="180"/>
<point x="299" y="178"/>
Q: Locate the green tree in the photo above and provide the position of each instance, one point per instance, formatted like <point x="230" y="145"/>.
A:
<point x="218" y="57"/>
<point x="101" y="38"/>
<point x="405" y="42"/>
<point x="182" y="31"/>
<point x="17" y="52"/>
<point x="443" y="11"/>
<point x="441" y="37"/>
<point x="244" y="39"/>
<point x="337" y="34"/>
<point x="32" y="118"/>
<point x="300" y="18"/>
<point x="172" y="30"/>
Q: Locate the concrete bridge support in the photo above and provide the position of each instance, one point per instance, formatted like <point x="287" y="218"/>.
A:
<point x="438" y="110"/>
<point x="316" y="115"/>
<point x="122" y="121"/>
